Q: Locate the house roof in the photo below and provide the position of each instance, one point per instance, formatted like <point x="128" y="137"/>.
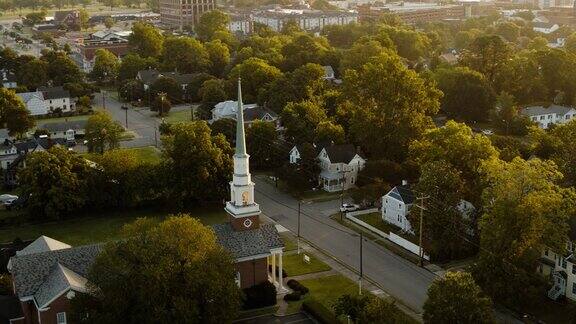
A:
<point x="32" y="144"/>
<point x="229" y="107"/>
<point x="60" y="16"/>
<point x="10" y="308"/>
<point x="59" y="280"/>
<point x="249" y="242"/>
<point x="257" y="113"/>
<point x="541" y="24"/>
<point x="328" y="71"/>
<point x="27" y="96"/>
<point x="402" y="193"/>
<point x="42" y="274"/>
<point x="341" y="153"/>
<point x="540" y="110"/>
<point x="43" y="244"/>
<point x="64" y="126"/>
<point x="54" y="92"/>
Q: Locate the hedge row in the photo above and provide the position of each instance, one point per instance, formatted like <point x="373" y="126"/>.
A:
<point x="319" y="312"/>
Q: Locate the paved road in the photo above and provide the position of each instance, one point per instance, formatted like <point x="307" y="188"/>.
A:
<point x="398" y="277"/>
<point x="139" y="121"/>
<point x="299" y="318"/>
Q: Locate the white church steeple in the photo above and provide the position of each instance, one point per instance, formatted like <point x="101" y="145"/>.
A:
<point x="241" y="207"/>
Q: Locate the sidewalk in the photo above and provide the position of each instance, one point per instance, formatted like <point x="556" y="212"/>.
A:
<point x="338" y="268"/>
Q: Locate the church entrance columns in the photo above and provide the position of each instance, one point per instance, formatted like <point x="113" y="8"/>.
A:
<point x="274" y="259"/>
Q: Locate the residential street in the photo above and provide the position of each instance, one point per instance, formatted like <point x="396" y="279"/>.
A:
<point x="142" y="124"/>
<point x="397" y="277"/>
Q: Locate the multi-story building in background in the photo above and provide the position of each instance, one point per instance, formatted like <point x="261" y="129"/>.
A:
<point x="184" y="13"/>
<point x="310" y="20"/>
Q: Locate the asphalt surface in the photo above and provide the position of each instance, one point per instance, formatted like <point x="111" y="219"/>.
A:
<point x="140" y="121"/>
<point x="399" y="278"/>
<point x="299" y="318"/>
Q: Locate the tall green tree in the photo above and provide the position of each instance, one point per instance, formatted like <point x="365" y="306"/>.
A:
<point x="172" y="272"/>
<point x="199" y="164"/>
<point x="457" y="288"/>
<point x="256" y="74"/>
<point x="261" y="143"/>
<point x="33" y="74"/>
<point x="106" y="66"/>
<point x="54" y="182"/>
<point x="301" y="119"/>
<point x="388" y="106"/>
<point x="456" y="144"/>
<point x="185" y="54"/>
<point x="133" y="63"/>
<point x="487" y="55"/>
<point x="213" y="91"/>
<point x="219" y="56"/>
<point x="525" y="211"/>
<point x="211" y="22"/>
<point x="304" y="48"/>
<point x="467" y="94"/>
<point x="328" y="131"/>
<point x="445" y="227"/>
<point x="102" y="132"/>
<point x="61" y="68"/>
<point x="13" y="113"/>
<point x="146" y="40"/>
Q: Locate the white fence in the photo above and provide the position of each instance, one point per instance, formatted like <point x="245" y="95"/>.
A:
<point x="396" y="239"/>
<point x="407" y="245"/>
<point x="351" y="217"/>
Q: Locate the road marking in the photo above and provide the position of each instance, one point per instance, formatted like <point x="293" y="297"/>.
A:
<point x="281" y="229"/>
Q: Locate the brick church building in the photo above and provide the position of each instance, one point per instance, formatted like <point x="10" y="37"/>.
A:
<point x="47" y="274"/>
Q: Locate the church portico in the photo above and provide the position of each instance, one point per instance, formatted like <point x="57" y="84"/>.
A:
<point x="275" y="260"/>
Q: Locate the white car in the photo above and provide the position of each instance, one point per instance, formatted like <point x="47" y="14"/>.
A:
<point x="487" y="132"/>
<point x="7" y="197"/>
<point x="349" y="207"/>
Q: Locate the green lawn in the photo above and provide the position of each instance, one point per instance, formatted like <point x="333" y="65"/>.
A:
<point x="61" y="119"/>
<point x="290" y="243"/>
<point x="375" y="219"/>
<point x="178" y="116"/>
<point x="294" y="265"/>
<point x="100" y="227"/>
<point x="149" y="154"/>
<point x="325" y="290"/>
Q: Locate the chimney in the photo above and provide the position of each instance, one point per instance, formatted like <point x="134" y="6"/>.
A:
<point x="404" y="182"/>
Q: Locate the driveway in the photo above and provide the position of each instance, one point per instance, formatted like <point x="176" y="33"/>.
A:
<point x="399" y="278"/>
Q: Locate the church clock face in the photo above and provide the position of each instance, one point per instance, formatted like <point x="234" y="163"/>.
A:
<point x="245" y="197"/>
<point x="247" y="223"/>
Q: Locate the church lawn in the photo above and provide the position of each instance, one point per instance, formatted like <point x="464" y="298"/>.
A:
<point x="178" y="116"/>
<point x="289" y="242"/>
<point x="148" y="154"/>
<point x="99" y="227"/>
<point x="325" y="290"/>
<point x="294" y="265"/>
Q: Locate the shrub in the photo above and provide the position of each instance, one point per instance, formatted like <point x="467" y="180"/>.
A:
<point x="297" y="286"/>
<point x="284" y="273"/>
<point x="261" y="295"/>
<point x="293" y="296"/>
<point x="319" y="312"/>
<point x="6" y="284"/>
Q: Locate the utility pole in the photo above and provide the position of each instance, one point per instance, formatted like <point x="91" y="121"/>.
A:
<point x="298" y="226"/>
<point x="421" y="249"/>
<point x="126" y="116"/>
<point x="104" y="99"/>
<point x="342" y="195"/>
<point x="155" y="138"/>
<point x="162" y="97"/>
<point x="361" y="265"/>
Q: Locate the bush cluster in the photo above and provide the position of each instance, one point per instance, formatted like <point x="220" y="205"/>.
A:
<point x="261" y="295"/>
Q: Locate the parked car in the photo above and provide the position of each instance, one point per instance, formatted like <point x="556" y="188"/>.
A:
<point x="17" y="203"/>
<point x="487" y="132"/>
<point x="7" y="197"/>
<point x="349" y="207"/>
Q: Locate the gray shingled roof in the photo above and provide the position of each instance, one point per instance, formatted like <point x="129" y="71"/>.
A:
<point x="257" y="113"/>
<point x="60" y="279"/>
<point x="64" y="126"/>
<point x="402" y="193"/>
<point x="540" y="110"/>
<point x="54" y="92"/>
<point x="31" y="271"/>
<point x="341" y="153"/>
<point x="250" y="242"/>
